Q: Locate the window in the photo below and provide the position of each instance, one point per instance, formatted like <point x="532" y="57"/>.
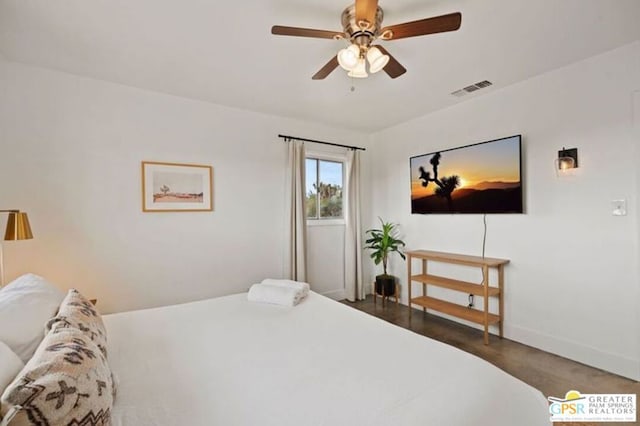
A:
<point x="324" y="189"/>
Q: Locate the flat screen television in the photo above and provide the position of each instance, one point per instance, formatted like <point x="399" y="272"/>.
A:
<point x="479" y="178"/>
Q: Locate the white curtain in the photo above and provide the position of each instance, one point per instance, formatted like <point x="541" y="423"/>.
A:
<point x="353" y="234"/>
<point x="296" y="250"/>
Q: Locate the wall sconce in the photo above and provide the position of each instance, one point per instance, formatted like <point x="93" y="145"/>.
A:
<point x="567" y="159"/>
<point x="18" y="228"/>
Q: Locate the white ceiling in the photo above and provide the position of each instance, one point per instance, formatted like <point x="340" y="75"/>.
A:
<point x="223" y="52"/>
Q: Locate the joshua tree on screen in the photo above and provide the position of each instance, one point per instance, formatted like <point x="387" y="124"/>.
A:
<point x="446" y="184"/>
<point x="165" y="189"/>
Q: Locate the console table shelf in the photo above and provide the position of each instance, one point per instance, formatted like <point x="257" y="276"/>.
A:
<point x="451" y="284"/>
<point x="483" y="289"/>
<point x="459" y="311"/>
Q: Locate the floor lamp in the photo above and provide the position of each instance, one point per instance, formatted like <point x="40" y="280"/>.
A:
<point x="17" y="229"/>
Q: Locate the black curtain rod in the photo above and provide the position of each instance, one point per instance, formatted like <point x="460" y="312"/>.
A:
<point x="285" y="137"/>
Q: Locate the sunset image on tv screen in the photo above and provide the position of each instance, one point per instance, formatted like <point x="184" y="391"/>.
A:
<point x="480" y="178"/>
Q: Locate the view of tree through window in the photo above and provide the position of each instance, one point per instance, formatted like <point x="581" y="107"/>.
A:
<point x="324" y="189"/>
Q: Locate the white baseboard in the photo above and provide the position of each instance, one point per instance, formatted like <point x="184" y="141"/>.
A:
<point x="613" y="363"/>
<point x="594" y="357"/>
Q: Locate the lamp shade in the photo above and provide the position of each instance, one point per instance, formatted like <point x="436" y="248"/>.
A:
<point x="348" y="58"/>
<point x="18" y="227"/>
<point x="565" y="163"/>
<point x="377" y="61"/>
<point x="360" y="71"/>
<point x="567" y="158"/>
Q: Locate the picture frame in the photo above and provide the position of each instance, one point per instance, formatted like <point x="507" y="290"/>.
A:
<point x="176" y="187"/>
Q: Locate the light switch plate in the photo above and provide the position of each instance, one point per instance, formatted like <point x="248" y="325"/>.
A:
<point x="619" y="207"/>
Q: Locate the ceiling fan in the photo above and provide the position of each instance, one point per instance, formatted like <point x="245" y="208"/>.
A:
<point x="362" y="24"/>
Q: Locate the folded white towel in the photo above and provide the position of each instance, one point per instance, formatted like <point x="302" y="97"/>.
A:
<point x="298" y="285"/>
<point x="275" y="295"/>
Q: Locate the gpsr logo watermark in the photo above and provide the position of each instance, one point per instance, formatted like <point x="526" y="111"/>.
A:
<point x="577" y="407"/>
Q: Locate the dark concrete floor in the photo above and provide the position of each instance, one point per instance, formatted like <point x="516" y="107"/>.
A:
<point x="551" y="374"/>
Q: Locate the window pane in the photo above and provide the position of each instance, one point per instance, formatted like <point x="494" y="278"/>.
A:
<point x="330" y="189"/>
<point x="311" y="202"/>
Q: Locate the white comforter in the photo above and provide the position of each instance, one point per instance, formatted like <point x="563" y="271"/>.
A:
<point x="228" y="362"/>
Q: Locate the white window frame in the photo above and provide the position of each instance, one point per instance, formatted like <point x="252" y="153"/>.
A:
<point x="338" y="158"/>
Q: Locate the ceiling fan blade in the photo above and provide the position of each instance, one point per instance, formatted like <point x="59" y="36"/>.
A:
<point x="305" y="32"/>
<point x="366" y="11"/>
<point x="438" y="24"/>
<point x="327" y="69"/>
<point x="393" y="68"/>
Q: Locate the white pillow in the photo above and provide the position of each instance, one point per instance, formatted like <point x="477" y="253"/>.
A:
<point x="26" y="304"/>
<point x="10" y="366"/>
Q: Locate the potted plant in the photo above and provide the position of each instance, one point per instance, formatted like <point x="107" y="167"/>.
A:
<point x="382" y="243"/>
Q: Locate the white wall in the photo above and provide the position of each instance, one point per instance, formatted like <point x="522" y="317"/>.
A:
<point x="572" y="286"/>
<point x="325" y="250"/>
<point x="70" y="153"/>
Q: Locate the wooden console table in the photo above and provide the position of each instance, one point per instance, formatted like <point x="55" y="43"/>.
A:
<point x="484" y="290"/>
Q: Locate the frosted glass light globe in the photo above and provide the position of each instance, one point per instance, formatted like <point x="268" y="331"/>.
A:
<point x="360" y="71"/>
<point x="348" y="58"/>
<point x="377" y="61"/>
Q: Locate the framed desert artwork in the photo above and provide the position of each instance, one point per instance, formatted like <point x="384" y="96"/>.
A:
<point x="175" y="187"/>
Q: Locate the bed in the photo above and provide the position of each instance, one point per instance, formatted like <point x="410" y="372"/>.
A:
<point x="228" y="361"/>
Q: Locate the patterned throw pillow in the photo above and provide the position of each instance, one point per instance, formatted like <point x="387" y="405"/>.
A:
<point x="66" y="383"/>
<point x="77" y="312"/>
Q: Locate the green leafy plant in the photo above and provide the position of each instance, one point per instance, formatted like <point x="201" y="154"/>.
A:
<point x="383" y="242"/>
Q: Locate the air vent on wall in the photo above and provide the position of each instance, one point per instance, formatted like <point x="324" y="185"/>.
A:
<point x="472" y="88"/>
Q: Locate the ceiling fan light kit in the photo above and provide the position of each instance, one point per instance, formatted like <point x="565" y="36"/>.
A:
<point x="352" y="59"/>
<point x="362" y="25"/>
